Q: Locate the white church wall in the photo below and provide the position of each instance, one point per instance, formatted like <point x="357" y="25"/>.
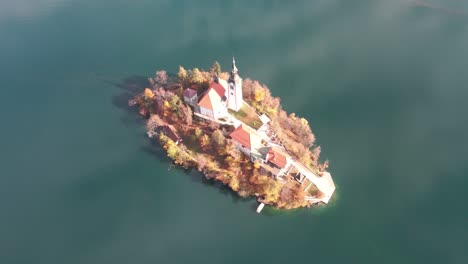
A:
<point x="206" y="112"/>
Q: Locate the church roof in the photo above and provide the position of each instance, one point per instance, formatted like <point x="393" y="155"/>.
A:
<point x="213" y="96"/>
<point x="223" y="83"/>
<point x="218" y="88"/>
<point x="206" y="101"/>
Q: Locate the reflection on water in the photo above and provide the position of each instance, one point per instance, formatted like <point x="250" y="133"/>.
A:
<point x="382" y="82"/>
<point x="442" y="7"/>
<point x="27" y="9"/>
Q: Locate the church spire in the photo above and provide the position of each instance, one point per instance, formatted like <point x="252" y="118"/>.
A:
<point x="234" y="68"/>
<point x="234" y="94"/>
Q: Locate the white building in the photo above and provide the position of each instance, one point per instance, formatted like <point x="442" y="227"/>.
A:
<point x="213" y="102"/>
<point x="219" y="97"/>
<point x="246" y="140"/>
<point x="190" y="97"/>
<point x="278" y="160"/>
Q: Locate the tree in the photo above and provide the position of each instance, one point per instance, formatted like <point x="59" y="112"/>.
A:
<point x="300" y="127"/>
<point x="151" y="81"/>
<point x="218" y="138"/>
<point x="259" y="94"/>
<point x="175" y="100"/>
<point x="179" y="155"/>
<point x="316" y="154"/>
<point x="205" y="142"/>
<point x="213" y="125"/>
<point x="204" y="86"/>
<point x="182" y="74"/>
<point x="175" y="104"/>
<point x="216" y="69"/>
<point x="201" y="162"/>
<point x="272" y="104"/>
<point x="186" y="114"/>
<point x="212" y="166"/>
<point x="224" y="75"/>
<point x="171" y="149"/>
<point x="198" y="132"/>
<point x="249" y="87"/>
<point x="233" y="151"/>
<point x="196" y="76"/>
<point x="148" y="94"/>
<point x="219" y="141"/>
<point x="256" y="165"/>
<point x="147" y="100"/>
<point x="153" y="122"/>
<point x="163" y="139"/>
<point x="234" y="183"/>
<point x="161" y="77"/>
<point x="324" y="166"/>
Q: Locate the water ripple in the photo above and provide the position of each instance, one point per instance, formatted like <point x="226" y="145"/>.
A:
<point x="27" y="10"/>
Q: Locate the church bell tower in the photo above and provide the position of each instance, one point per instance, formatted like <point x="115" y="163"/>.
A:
<point x="235" y="89"/>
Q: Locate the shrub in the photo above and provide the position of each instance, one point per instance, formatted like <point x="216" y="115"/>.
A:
<point x="182" y="74"/>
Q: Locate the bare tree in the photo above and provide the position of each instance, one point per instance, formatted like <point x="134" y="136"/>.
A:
<point x="161" y="77"/>
<point x="233" y="151"/>
<point x="316" y="154"/>
<point x="218" y="140"/>
<point x="187" y="114"/>
<point x="213" y="125"/>
<point x="153" y="122"/>
<point x="324" y="166"/>
<point x="216" y="69"/>
<point x="151" y="81"/>
<point x="201" y="162"/>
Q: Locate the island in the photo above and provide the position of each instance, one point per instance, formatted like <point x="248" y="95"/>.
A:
<point x="235" y="132"/>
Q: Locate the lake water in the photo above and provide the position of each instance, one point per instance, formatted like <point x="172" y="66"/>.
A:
<point x="383" y="84"/>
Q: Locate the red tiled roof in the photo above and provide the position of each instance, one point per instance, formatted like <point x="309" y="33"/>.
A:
<point x="206" y="101"/>
<point x="171" y="133"/>
<point x="241" y="136"/>
<point x="277" y="158"/>
<point x="218" y="88"/>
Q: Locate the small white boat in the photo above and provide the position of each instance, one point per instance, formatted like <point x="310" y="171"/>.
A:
<point x="260" y="207"/>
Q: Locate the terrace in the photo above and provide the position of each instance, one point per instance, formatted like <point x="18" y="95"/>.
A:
<point x="248" y="116"/>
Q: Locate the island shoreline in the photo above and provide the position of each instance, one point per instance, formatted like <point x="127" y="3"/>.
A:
<point x="233" y="131"/>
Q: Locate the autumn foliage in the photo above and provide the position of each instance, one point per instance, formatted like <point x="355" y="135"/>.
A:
<point x="292" y="131"/>
<point x="206" y="146"/>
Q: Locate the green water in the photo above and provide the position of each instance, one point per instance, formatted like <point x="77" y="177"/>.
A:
<point x="383" y="84"/>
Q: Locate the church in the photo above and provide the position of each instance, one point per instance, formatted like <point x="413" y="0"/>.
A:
<point x="222" y="96"/>
<point x="219" y="97"/>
